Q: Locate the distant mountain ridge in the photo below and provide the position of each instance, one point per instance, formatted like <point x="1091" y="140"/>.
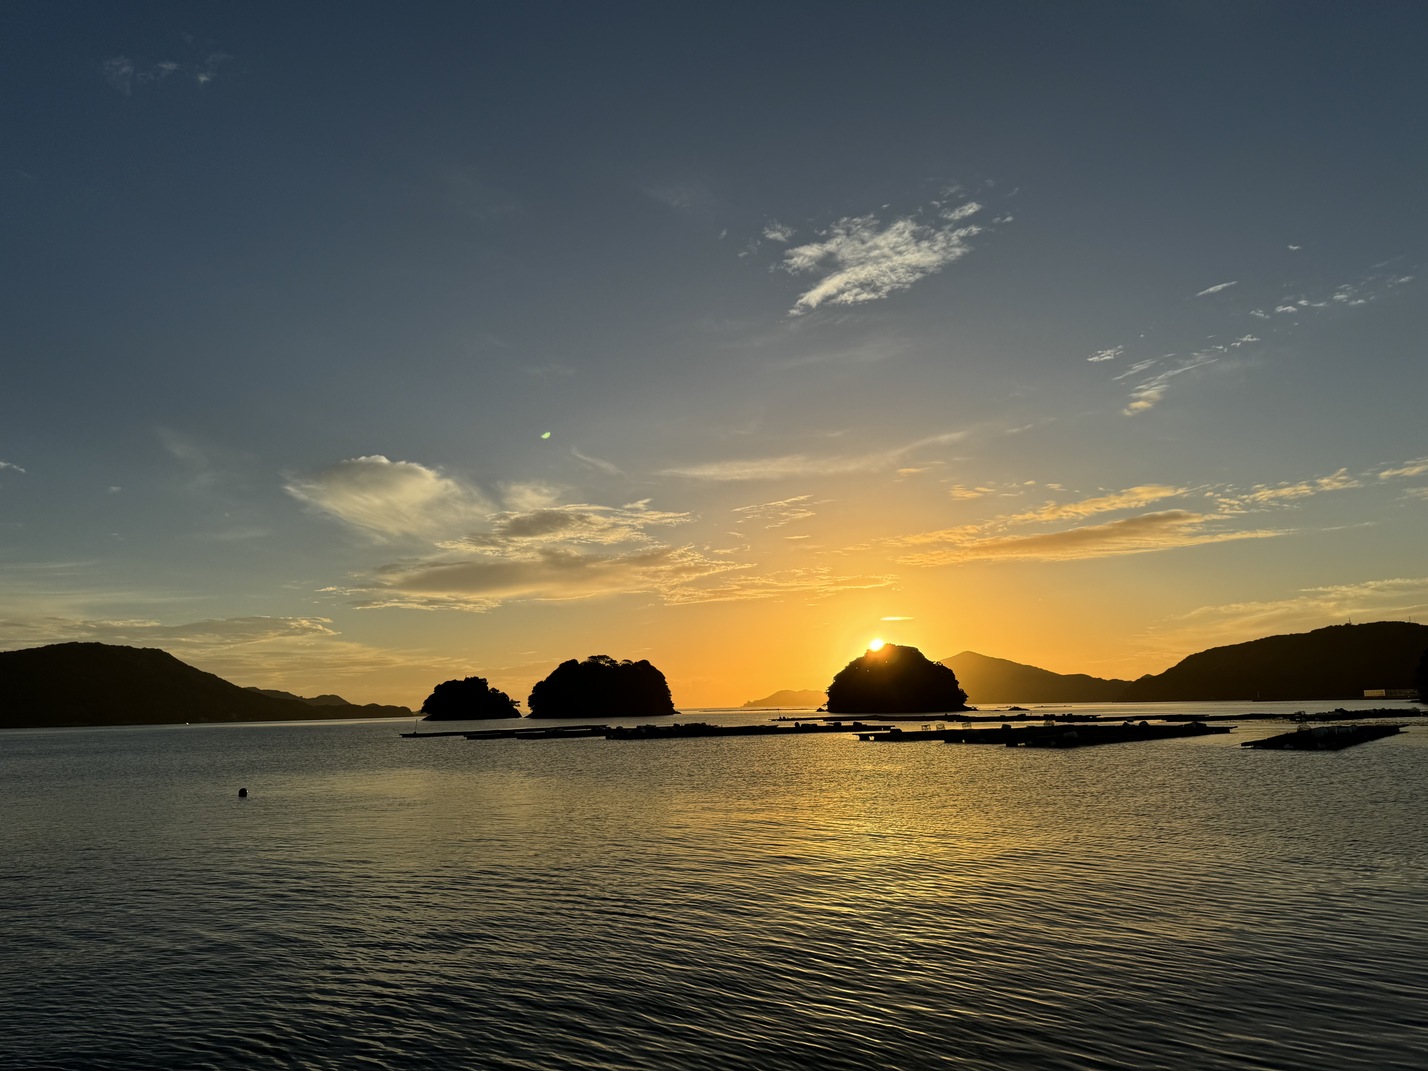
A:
<point x="1335" y="662"/>
<point x="103" y="684"/>
<point x="1000" y="680"/>
<point x="790" y="697"/>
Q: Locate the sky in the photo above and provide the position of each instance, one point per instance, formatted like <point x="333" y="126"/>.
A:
<point x="356" y="347"/>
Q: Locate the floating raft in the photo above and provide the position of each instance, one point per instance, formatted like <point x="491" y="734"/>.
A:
<point x="545" y="732"/>
<point x="688" y="730"/>
<point x="1323" y="738"/>
<point x="1059" y="736"/>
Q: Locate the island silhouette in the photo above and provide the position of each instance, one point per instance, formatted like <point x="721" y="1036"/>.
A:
<point x="894" y="679"/>
<point x="470" y="699"/>
<point x="601" y="687"/>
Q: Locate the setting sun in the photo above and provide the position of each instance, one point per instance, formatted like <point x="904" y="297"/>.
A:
<point x="875" y="645"/>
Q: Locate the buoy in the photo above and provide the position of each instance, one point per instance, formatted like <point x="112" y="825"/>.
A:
<point x="242" y="793"/>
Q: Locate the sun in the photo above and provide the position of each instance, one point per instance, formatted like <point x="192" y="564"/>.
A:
<point x="875" y="644"/>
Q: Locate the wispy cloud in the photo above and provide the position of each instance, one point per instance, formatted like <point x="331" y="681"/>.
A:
<point x="682" y="195"/>
<point x="1393" y="599"/>
<point x="391" y="498"/>
<point x="208" y="633"/>
<point x="1107" y="354"/>
<point x="777" y="514"/>
<point x="482" y="582"/>
<point x="572" y="524"/>
<point x="1167" y="530"/>
<point x="810" y="583"/>
<point x="861" y="259"/>
<point x="1408" y="469"/>
<point x="1151" y="392"/>
<point x="9" y="465"/>
<point x="961" y="492"/>
<point x="1131" y="498"/>
<point x="795" y="465"/>
<point x="1372" y="288"/>
<point x="1217" y="288"/>
<point x="471" y="194"/>
<point x="1263" y="495"/>
<point x="775" y="231"/>
<point x="600" y="464"/>
<point x="124" y="75"/>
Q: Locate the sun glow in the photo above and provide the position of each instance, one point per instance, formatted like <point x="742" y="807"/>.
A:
<point x="875" y="645"/>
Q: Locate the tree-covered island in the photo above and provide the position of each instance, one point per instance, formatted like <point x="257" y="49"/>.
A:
<point x="895" y="680"/>
<point x="601" y="687"/>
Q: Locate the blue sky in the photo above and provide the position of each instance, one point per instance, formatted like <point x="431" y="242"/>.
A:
<point x="351" y="347"/>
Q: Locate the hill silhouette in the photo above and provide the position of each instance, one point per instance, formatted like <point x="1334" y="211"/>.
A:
<point x="895" y="680"/>
<point x="1337" y="662"/>
<point x="1000" y="680"/>
<point x="103" y="684"/>
<point x="790" y="697"/>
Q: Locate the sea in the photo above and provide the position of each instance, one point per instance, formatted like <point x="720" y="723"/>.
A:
<point x="747" y="902"/>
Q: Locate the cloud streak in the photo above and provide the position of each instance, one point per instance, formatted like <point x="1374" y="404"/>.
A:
<point x="1217" y="288"/>
<point x="798" y="465"/>
<point x="1166" y="530"/>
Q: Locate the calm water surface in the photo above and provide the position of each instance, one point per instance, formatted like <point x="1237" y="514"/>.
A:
<point x="739" y="903"/>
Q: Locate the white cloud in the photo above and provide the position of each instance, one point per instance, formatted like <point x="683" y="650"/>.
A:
<point x="8" y="465"/>
<point x="862" y="260"/>
<point x="1217" y="288"/>
<point x="388" y="498"/>
<point x="1107" y="355"/>
<point x="778" y="232"/>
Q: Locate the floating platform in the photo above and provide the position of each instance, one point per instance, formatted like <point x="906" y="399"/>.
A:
<point x="1323" y="738"/>
<point x="1340" y="714"/>
<point x="688" y="730"/>
<point x="1058" y="736"/>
